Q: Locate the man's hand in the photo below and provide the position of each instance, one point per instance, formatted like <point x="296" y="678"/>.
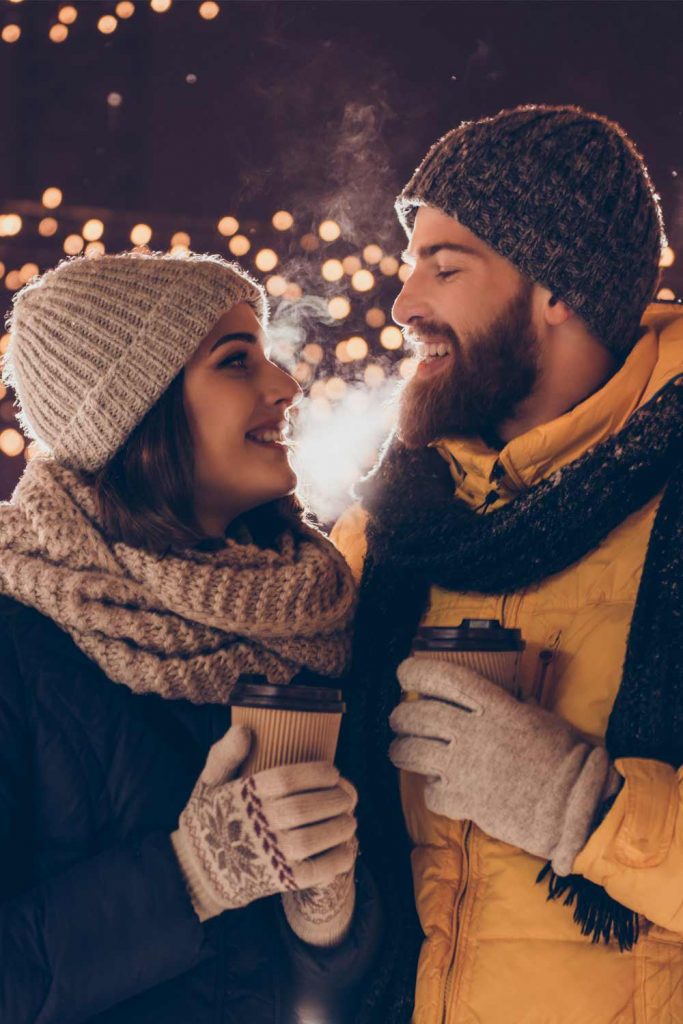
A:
<point x="522" y="774"/>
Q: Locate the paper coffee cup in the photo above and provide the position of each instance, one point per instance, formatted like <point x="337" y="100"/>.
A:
<point x="289" y="724"/>
<point x="481" y="644"/>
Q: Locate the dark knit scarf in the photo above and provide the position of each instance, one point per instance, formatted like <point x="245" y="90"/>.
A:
<point x="419" y="536"/>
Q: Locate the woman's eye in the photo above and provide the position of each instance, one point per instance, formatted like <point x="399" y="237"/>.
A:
<point x="237" y="360"/>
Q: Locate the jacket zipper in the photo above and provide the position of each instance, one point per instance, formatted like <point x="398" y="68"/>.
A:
<point x="451" y="973"/>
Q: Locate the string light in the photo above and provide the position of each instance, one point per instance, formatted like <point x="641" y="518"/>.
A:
<point x="92" y="230"/>
<point x="332" y="270"/>
<point x="47" y="227"/>
<point x="228" y="226"/>
<point x="160" y="6"/>
<point x="374" y="375"/>
<point x="73" y="244"/>
<point x="10" y="33"/>
<point x="282" y="220"/>
<point x="114" y="99"/>
<point x="313" y="353"/>
<point x="58" y="33"/>
<point x="372" y="253"/>
<point x="10" y="224"/>
<point x="667" y="257"/>
<point x="357" y="347"/>
<point x="2" y="272"/>
<point x="94" y="249"/>
<point x="125" y="9"/>
<point x="389" y="265"/>
<point x="339" y="307"/>
<point x="391" y="338"/>
<point x="181" y="238"/>
<point x="329" y="230"/>
<point x="309" y="243"/>
<point x="12" y="282"/>
<point x="375" y="317"/>
<point x="666" y="294"/>
<point x="363" y="280"/>
<point x="28" y="271"/>
<point x="404" y="272"/>
<point x="11" y="442"/>
<point x="351" y="264"/>
<point x="335" y="388"/>
<point x="68" y="15"/>
<point x="209" y="10"/>
<point x="302" y="373"/>
<point x="266" y="259"/>
<point x="293" y="292"/>
<point x="141" y="234"/>
<point x="341" y="352"/>
<point x="107" y="24"/>
<point x="276" y="285"/>
<point x="239" y="245"/>
<point x="52" y="198"/>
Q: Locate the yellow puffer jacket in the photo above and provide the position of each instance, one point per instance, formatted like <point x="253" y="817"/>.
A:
<point x="495" y="951"/>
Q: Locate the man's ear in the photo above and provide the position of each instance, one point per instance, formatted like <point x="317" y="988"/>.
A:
<point x="555" y="311"/>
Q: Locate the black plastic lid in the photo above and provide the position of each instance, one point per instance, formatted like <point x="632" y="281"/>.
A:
<point x="470" y="635"/>
<point x="250" y="692"/>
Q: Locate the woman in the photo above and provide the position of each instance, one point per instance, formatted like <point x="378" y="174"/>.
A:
<point x="148" y="560"/>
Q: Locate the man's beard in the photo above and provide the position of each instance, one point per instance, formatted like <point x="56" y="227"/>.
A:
<point x="483" y="386"/>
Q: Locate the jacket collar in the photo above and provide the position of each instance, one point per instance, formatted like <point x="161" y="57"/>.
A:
<point x="484" y="477"/>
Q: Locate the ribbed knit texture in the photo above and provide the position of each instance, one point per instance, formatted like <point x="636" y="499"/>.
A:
<point x="565" y="196"/>
<point x="95" y="342"/>
<point x="183" y="625"/>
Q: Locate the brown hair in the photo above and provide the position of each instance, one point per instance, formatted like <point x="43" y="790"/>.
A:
<point x="145" y="492"/>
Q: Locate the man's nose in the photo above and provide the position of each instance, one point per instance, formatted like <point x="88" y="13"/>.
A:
<point x="411" y="303"/>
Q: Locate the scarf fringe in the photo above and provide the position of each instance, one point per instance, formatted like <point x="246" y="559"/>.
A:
<point x="596" y="913"/>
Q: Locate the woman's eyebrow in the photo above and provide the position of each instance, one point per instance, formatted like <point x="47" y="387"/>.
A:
<point x="237" y="336"/>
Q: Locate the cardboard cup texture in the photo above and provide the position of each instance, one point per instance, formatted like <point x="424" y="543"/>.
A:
<point x="302" y="724"/>
<point x="481" y="644"/>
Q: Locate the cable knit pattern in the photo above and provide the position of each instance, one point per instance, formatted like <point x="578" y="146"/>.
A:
<point x="185" y="624"/>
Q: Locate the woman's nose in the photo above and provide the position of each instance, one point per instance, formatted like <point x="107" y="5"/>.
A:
<point x="282" y="388"/>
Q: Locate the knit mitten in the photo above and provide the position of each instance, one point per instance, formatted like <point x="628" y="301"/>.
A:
<point x="277" y="831"/>
<point x="322" y="915"/>
<point x="522" y="774"/>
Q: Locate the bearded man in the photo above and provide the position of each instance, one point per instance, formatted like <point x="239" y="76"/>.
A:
<point x="535" y="478"/>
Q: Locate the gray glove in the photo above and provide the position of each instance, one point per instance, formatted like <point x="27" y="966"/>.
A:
<point x="522" y="774"/>
<point x="280" y="830"/>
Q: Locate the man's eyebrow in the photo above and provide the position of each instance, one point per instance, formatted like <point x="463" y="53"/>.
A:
<point x="237" y="336"/>
<point x="427" y="251"/>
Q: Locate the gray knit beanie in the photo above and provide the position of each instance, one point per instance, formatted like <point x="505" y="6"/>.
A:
<point x="565" y="196"/>
<point x="96" y="341"/>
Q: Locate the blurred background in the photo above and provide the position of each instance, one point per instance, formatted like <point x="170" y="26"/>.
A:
<point x="278" y="134"/>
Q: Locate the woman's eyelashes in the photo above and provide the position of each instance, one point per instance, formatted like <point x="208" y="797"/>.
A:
<point x="236" y="360"/>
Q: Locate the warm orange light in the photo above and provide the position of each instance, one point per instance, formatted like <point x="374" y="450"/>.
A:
<point x="332" y="270"/>
<point x="389" y="265"/>
<point x="181" y="238"/>
<point x="351" y="264"/>
<point x="11" y="442"/>
<point x="276" y="285"/>
<point x="52" y="197"/>
<point x="160" y="6"/>
<point x="10" y="224"/>
<point x="302" y="373"/>
<point x="58" y="33"/>
<point x="312" y="353"/>
<point x="391" y="337"/>
<point x="329" y="230"/>
<point x="239" y="245"/>
<point x="28" y="271"/>
<point x="335" y="388"/>
<point x="374" y="375"/>
<point x="666" y="294"/>
<point x="309" y="243"/>
<point x="372" y="253"/>
<point x="375" y="317"/>
<point x="282" y="220"/>
<point x="141" y="234"/>
<point x="92" y="230"/>
<point x="363" y="280"/>
<point x="293" y="292"/>
<point x="94" y="249"/>
<point x="407" y="368"/>
<point x="209" y="10"/>
<point x="357" y="347"/>
<point x="10" y="33"/>
<point x="125" y="9"/>
<point x="339" y="307"/>
<point x="667" y="257"/>
<point x="47" y="227"/>
<point x="266" y="260"/>
<point x="12" y="282"/>
<point x="107" y="24"/>
<point x="228" y="226"/>
<point x="73" y="244"/>
<point x="404" y="272"/>
<point x="68" y="15"/>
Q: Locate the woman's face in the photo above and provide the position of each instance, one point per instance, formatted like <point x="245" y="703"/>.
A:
<point x="236" y="401"/>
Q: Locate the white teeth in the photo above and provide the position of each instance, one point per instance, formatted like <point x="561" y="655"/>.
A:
<point x="442" y="348"/>
<point x="432" y="349"/>
<point x="267" y="436"/>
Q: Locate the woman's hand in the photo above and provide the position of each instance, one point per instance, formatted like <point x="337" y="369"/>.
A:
<point x="280" y="830"/>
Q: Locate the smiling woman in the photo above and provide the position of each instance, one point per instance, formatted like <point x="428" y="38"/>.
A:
<point x="153" y="557"/>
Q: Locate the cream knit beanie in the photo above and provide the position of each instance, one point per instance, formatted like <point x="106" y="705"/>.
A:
<point x="95" y="342"/>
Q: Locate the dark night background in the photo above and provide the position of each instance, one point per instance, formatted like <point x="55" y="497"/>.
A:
<point x="319" y="108"/>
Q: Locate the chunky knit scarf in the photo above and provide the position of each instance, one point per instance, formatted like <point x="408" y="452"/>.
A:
<point x="183" y="624"/>
<point x="419" y="536"/>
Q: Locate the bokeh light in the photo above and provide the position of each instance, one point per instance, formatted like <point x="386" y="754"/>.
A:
<point x="282" y="220"/>
<point x="363" y="280"/>
<point x="276" y="285"/>
<point x="58" y="33"/>
<point x="339" y="307"/>
<point x="28" y="271"/>
<point x="404" y="272"/>
<point x="357" y="347"/>
<point x="94" y="249"/>
<point x="391" y="337"/>
<point x="309" y="242"/>
<point x="12" y="282"/>
<point x="73" y="244"/>
<point x="67" y="15"/>
<point x="313" y="353"/>
<point x="667" y="257"/>
<point x="351" y="264"/>
<point x="372" y="253"/>
<point x="329" y="230"/>
<point x="228" y="226"/>
<point x="10" y="224"/>
<point x="375" y="317"/>
<point x="209" y="10"/>
<point x="374" y="375"/>
<point x="266" y="260"/>
<point x="11" y="442"/>
<point x="389" y="265"/>
<point x="51" y="198"/>
<point x="407" y="367"/>
<point x="141" y="234"/>
<point x="239" y="245"/>
<point x="10" y="33"/>
<point x="125" y="9"/>
<point x="160" y="6"/>
<point x="92" y="230"/>
<point x="332" y="270"/>
<point x="335" y="388"/>
<point x="47" y="227"/>
<point x="666" y="294"/>
<point x="341" y="352"/>
<point x="107" y="24"/>
<point x="181" y="238"/>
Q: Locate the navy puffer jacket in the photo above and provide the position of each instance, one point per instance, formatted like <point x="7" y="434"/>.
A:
<point x="95" y="921"/>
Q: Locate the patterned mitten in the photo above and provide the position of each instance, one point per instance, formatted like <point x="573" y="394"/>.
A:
<point x="277" y="831"/>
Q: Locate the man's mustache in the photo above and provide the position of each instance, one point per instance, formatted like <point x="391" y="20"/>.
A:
<point x="429" y="330"/>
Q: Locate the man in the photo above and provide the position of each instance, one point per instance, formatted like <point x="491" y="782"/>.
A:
<point x="534" y="479"/>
